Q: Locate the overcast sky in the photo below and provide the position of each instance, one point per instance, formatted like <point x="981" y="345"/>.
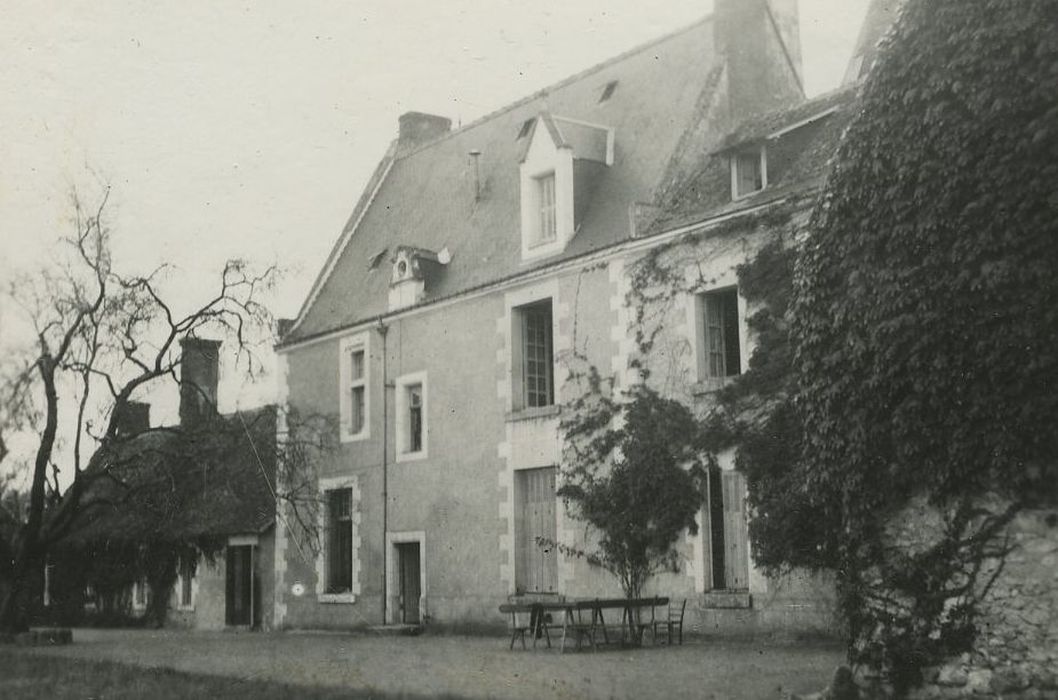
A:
<point x="248" y="129"/>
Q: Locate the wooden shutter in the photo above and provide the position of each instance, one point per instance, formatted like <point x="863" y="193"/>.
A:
<point x="736" y="549"/>
<point x="537" y="566"/>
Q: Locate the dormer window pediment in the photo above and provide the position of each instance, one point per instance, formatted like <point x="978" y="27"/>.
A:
<point x="561" y="160"/>
<point x="413" y="269"/>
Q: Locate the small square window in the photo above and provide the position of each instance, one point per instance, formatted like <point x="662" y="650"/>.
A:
<point x="722" y="351"/>
<point x="748" y="172"/>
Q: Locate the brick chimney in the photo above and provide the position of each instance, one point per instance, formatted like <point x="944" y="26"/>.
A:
<point x="417" y="128"/>
<point x="199" y="374"/>
<point x="759" y="40"/>
<point x="134" y="418"/>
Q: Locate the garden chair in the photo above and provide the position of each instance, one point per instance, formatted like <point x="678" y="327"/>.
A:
<point x="673" y="622"/>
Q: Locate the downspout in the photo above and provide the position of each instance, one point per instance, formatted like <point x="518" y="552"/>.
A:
<point x="383" y="329"/>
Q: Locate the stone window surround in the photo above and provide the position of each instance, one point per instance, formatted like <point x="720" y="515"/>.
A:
<point x="402" y="423"/>
<point x="346" y="346"/>
<point x="335" y="483"/>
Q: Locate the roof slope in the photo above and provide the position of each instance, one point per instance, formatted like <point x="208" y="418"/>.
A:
<point x="800" y="142"/>
<point x="213" y="481"/>
<point x="427" y="199"/>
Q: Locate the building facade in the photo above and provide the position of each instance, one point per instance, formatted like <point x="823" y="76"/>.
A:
<point x="483" y="269"/>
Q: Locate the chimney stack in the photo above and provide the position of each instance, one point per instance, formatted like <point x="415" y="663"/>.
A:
<point x="199" y="374"/>
<point x="417" y="128"/>
<point x="134" y="418"/>
<point x="759" y="40"/>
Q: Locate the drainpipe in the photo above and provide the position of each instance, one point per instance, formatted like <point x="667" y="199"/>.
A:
<point x="383" y="329"/>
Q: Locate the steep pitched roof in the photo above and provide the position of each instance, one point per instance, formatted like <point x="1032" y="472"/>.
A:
<point x="426" y="197"/>
<point x="211" y="482"/>
<point x="800" y="141"/>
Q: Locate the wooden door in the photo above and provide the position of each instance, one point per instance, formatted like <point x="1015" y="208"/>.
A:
<point x="736" y="549"/>
<point x="536" y="565"/>
<point x="238" y="600"/>
<point x="410" y="592"/>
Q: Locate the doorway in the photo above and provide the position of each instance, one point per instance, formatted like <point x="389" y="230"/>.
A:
<point x="239" y="586"/>
<point x="409" y="568"/>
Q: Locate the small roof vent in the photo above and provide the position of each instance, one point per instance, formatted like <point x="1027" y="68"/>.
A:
<point x="527" y="126"/>
<point x="607" y="91"/>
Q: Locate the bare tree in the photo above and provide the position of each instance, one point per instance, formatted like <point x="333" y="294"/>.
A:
<point x="101" y="337"/>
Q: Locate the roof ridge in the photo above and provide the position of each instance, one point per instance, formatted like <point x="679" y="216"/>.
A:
<point x="560" y="84"/>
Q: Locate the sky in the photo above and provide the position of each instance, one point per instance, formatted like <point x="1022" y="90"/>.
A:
<point x="234" y="129"/>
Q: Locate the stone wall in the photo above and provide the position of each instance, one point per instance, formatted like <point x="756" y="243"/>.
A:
<point x="1016" y="652"/>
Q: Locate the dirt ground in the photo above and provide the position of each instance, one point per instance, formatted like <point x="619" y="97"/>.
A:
<point x="478" y="667"/>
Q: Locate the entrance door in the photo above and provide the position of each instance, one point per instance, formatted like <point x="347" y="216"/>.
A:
<point x="238" y="603"/>
<point x="535" y="522"/>
<point x="409" y="570"/>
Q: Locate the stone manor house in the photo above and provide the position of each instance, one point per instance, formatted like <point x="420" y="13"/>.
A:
<point x="477" y="263"/>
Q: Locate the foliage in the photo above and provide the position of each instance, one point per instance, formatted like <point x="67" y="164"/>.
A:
<point x="633" y="473"/>
<point x="100" y="338"/>
<point x="925" y="316"/>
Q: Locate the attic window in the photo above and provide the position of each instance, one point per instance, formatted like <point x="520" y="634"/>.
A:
<point x="749" y="172"/>
<point x="376" y="260"/>
<point x="527" y="126"/>
<point x="607" y="92"/>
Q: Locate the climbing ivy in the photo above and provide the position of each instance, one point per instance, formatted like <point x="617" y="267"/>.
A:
<point x="924" y="321"/>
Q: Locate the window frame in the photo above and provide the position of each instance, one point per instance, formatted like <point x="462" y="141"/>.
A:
<point x="404" y="384"/>
<point x="520" y="359"/>
<point x="707" y="380"/>
<point x="762" y="162"/>
<point x="546" y="230"/>
<point x="347" y="383"/>
<point x="185" y="579"/>
<point x="323" y="557"/>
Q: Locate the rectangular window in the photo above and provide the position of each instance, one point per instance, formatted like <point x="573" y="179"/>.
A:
<point x="339" y="504"/>
<point x="748" y="174"/>
<point x="184" y="580"/>
<point x="356" y="388"/>
<point x="415" y="418"/>
<point x="720" y="336"/>
<point x="537" y="355"/>
<point x="548" y="227"/>
<point x="412" y="429"/>
<point x="139" y="594"/>
<point x="353" y="379"/>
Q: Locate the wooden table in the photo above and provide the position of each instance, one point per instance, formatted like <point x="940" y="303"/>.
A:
<point x="581" y="619"/>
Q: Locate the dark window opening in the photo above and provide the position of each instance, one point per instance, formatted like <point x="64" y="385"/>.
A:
<point x="415" y="418"/>
<point x="339" y="541"/>
<point x="723" y="356"/>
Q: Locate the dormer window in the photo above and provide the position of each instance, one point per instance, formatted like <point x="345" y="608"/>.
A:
<point x="558" y="154"/>
<point x="748" y="172"/>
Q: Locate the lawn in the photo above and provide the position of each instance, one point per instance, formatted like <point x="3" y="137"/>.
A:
<point x="280" y="665"/>
<point x="26" y="675"/>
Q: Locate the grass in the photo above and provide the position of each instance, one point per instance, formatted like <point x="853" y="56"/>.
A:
<point x="24" y="675"/>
